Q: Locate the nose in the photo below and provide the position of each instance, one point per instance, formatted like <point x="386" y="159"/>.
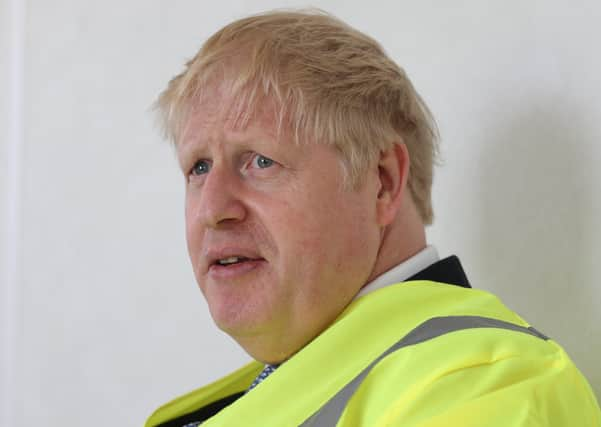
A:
<point x="218" y="202"/>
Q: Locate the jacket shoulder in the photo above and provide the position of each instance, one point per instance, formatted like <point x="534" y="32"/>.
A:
<point x="502" y="376"/>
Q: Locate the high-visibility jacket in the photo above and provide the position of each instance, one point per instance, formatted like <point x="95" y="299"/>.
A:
<point x="417" y="353"/>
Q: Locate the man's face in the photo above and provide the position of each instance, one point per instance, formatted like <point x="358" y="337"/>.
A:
<point x="278" y="246"/>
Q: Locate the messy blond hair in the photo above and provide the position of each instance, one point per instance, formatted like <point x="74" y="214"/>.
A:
<point x="329" y="82"/>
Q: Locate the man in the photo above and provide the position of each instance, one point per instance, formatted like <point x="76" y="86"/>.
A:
<point x="308" y="160"/>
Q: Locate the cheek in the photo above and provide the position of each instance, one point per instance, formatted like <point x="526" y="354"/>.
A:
<point x="327" y="235"/>
<point x="299" y="233"/>
<point x="352" y="235"/>
<point x="193" y="232"/>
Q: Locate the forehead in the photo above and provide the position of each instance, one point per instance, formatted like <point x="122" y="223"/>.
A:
<point x="218" y="111"/>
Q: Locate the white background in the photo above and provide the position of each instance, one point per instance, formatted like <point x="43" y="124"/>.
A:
<point x="101" y="320"/>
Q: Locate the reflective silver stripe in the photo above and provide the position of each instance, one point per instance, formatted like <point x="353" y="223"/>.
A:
<point x="329" y="414"/>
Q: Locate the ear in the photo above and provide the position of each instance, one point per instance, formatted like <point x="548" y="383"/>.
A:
<point x="393" y="172"/>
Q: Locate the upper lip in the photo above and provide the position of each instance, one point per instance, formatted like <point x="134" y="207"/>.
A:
<point x="214" y="255"/>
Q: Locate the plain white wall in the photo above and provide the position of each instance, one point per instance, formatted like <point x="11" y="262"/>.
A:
<point x="12" y="20"/>
<point x="108" y="317"/>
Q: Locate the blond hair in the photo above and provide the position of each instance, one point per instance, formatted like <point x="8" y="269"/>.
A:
<point x="330" y="82"/>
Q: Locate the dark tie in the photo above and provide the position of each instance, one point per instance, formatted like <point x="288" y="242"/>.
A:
<point x="264" y="374"/>
<point x="268" y="370"/>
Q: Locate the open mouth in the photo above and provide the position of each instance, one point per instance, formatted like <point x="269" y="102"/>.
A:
<point x="234" y="267"/>
<point x="232" y="260"/>
<point x="235" y="263"/>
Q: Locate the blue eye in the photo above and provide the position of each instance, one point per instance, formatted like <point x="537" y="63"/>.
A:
<point x="263" y="162"/>
<point x="200" y="167"/>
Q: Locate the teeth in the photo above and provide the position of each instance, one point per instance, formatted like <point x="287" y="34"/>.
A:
<point x="230" y="260"/>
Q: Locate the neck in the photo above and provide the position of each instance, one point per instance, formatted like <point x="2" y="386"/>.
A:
<point x="403" y="238"/>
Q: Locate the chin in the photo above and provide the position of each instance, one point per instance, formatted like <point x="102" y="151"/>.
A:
<point x="238" y="322"/>
<point x="244" y="308"/>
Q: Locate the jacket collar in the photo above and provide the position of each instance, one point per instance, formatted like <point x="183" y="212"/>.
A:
<point x="447" y="270"/>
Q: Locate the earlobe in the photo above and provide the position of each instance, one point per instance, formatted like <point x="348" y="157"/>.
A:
<point x="393" y="171"/>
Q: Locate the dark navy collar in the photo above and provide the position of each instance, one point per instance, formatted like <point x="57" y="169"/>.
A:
<point x="447" y="270"/>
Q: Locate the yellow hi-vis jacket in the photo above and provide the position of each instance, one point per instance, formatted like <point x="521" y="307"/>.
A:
<point x="418" y="353"/>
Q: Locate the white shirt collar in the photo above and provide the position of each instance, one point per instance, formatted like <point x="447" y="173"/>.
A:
<point x="401" y="272"/>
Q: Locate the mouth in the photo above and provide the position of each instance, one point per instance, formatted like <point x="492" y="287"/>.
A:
<point x="232" y="266"/>
<point x="231" y="260"/>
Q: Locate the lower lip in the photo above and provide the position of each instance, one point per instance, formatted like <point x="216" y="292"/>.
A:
<point x="233" y="271"/>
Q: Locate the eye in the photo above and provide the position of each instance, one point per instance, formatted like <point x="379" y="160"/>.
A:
<point x="262" y="162"/>
<point x="200" y="167"/>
